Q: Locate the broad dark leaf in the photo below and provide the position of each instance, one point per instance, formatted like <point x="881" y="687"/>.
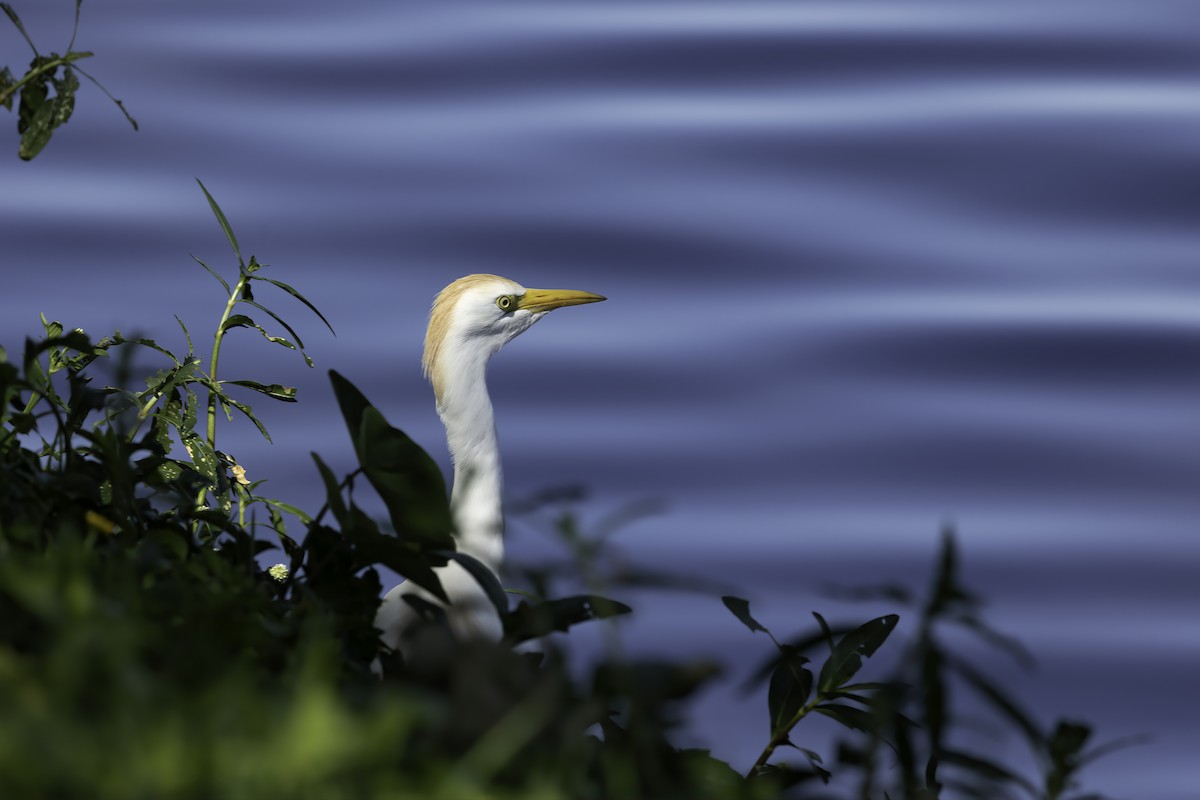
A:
<point x="850" y="650"/>
<point x="802" y="643"/>
<point x="791" y="684"/>
<point x="406" y="478"/>
<point x="532" y="621"/>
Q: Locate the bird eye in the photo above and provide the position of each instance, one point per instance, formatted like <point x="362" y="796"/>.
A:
<point x="505" y="302"/>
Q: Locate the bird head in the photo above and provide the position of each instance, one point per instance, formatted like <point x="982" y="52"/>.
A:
<point x="476" y="315"/>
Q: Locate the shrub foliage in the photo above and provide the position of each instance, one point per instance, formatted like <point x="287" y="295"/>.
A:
<point x="147" y="650"/>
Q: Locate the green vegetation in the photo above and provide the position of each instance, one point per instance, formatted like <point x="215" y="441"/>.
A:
<point x="47" y="95"/>
<point x="148" y="650"/>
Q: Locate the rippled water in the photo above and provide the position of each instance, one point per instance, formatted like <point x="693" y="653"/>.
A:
<point x="871" y="267"/>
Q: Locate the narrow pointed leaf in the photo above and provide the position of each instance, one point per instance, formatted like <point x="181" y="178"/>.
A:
<point x="213" y="272"/>
<point x="220" y="215"/>
<point x="274" y="390"/>
<point x="486" y="579"/>
<point x="299" y="297"/>
<point x="741" y="610"/>
<point x="333" y="494"/>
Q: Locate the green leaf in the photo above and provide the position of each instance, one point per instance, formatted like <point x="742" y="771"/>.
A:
<point x="406" y="478"/>
<point x="12" y="15"/>
<point x="1006" y="705"/>
<point x="213" y="272"/>
<point x="242" y="321"/>
<point x="299" y="297"/>
<point x="118" y="339"/>
<point x="288" y="328"/>
<point x="486" y="579"/>
<point x="790" y="686"/>
<point x="274" y="390"/>
<point x="7" y="82"/>
<point x="372" y="546"/>
<point x="985" y="768"/>
<point x="534" y="620"/>
<point x="850" y="650"/>
<point x="333" y="495"/>
<point x="741" y="610"/>
<point x="220" y="215"/>
<point x="64" y="102"/>
<point x="249" y="413"/>
<point x="853" y="718"/>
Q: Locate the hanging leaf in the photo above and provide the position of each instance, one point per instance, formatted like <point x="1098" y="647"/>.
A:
<point x="741" y="610"/>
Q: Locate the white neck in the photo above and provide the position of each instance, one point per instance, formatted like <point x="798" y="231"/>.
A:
<point x="466" y="411"/>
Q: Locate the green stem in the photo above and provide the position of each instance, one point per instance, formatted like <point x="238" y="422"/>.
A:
<point x="780" y="736"/>
<point x="234" y="296"/>
<point x="49" y="66"/>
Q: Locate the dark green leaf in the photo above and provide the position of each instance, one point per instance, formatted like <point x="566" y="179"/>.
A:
<point x="486" y="579"/>
<point x="273" y="390"/>
<point x="985" y="768"/>
<point x="741" y="610"/>
<point x="532" y="621"/>
<point x="848" y="653"/>
<point x="12" y="15"/>
<point x="1006" y="705"/>
<point x="278" y="319"/>
<point x="64" y="102"/>
<point x="213" y="272"/>
<point x="249" y="413"/>
<point x="854" y="718"/>
<point x="7" y="82"/>
<point x="406" y="478"/>
<point x="220" y="215"/>
<point x="35" y="122"/>
<point x="791" y="684"/>
<point x="242" y="321"/>
<point x="333" y="494"/>
<point x="299" y="297"/>
<point x="800" y="644"/>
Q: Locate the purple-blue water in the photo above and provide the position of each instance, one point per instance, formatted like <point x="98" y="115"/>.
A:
<point x="871" y="267"/>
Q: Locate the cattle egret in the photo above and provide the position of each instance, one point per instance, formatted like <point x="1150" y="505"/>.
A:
<point x="471" y="319"/>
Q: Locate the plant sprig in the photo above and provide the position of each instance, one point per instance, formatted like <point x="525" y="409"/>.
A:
<point x="40" y="112"/>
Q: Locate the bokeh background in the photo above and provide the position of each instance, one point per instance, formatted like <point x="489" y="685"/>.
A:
<point x="873" y="267"/>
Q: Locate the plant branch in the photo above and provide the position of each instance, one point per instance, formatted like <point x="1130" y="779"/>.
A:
<point x="49" y="66"/>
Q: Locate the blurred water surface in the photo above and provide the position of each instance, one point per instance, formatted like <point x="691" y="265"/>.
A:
<point x="871" y="267"/>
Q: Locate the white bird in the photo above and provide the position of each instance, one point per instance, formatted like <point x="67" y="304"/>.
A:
<point x="471" y="319"/>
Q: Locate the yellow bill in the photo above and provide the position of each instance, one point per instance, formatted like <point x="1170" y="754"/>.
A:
<point x="538" y="300"/>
